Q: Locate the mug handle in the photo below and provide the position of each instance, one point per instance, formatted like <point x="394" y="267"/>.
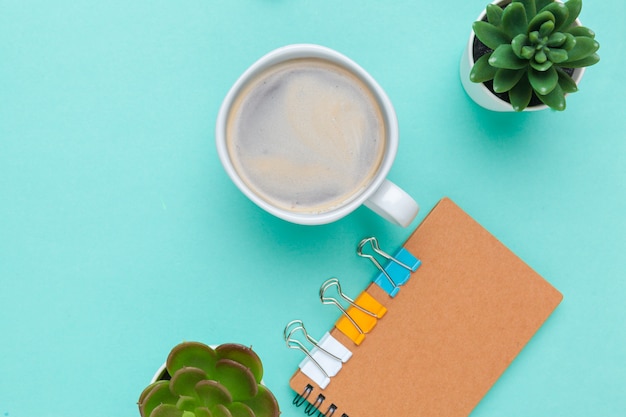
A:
<point x="393" y="203"/>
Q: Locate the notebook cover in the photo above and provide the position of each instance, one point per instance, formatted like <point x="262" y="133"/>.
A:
<point x="450" y="332"/>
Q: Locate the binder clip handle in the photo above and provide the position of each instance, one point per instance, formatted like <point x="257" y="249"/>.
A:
<point x="373" y="242"/>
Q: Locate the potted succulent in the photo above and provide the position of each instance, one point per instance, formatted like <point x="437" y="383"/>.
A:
<point x="527" y="54"/>
<point x="200" y="381"/>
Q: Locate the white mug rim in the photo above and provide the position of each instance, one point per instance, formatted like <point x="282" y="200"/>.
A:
<point x="296" y="51"/>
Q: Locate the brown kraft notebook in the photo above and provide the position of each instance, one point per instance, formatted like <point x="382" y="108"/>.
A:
<point x="447" y="336"/>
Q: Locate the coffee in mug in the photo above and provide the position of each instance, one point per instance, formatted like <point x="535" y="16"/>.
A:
<point x="309" y="136"/>
<point x="306" y="135"/>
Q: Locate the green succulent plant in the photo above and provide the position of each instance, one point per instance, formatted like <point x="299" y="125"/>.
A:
<point x="207" y="382"/>
<point x="532" y="48"/>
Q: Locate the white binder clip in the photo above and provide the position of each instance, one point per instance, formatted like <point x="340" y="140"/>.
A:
<point x="324" y="360"/>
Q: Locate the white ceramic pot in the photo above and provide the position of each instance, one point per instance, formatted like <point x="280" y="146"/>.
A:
<point x="479" y="92"/>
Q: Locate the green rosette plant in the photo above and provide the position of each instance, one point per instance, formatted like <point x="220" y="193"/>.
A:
<point x="206" y="382"/>
<point x="533" y="47"/>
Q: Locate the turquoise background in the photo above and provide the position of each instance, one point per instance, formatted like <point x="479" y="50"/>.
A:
<point x="121" y="235"/>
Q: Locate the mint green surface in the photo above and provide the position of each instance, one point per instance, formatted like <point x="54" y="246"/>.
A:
<point x="121" y="235"/>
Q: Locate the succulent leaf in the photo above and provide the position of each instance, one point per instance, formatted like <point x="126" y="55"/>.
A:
<point x="582" y="31"/>
<point x="167" y="410"/>
<point x="244" y="355"/>
<point x="539" y="20"/>
<point x="546" y="29"/>
<point x="518" y="43"/>
<point x="555" y="99"/>
<point x="543" y="82"/>
<point x="557" y="39"/>
<point x="506" y="79"/>
<point x="533" y="37"/>
<point x="541" y="67"/>
<point x="514" y="20"/>
<point x="159" y="394"/>
<point x="574" y="7"/>
<point x="504" y="57"/>
<point x="490" y="35"/>
<point x="560" y="13"/>
<point x="570" y="42"/>
<point x="482" y="71"/>
<point x="237" y="379"/>
<point x="568" y="85"/>
<point x="264" y="404"/>
<point x="557" y="55"/>
<point x="187" y="403"/>
<point x="240" y="410"/>
<point x="494" y="14"/>
<point x="530" y="7"/>
<point x="146" y="391"/>
<point x="210" y="393"/>
<point x="521" y="94"/>
<point x="527" y="52"/>
<point x="203" y="412"/>
<point x="220" y="411"/>
<point x="541" y="57"/>
<point x="583" y="48"/>
<point x="194" y="354"/>
<point x="585" y="62"/>
<point x="184" y="380"/>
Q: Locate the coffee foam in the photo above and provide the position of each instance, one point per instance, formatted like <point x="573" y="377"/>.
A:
<point x="306" y="135"/>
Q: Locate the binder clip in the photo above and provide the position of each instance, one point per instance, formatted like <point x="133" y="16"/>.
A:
<point x="398" y="270"/>
<point x="361" y="316"/>
<point x="324" y="360"/>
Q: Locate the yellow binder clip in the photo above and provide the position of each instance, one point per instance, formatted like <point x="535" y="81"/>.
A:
<point x="362" y="315"/>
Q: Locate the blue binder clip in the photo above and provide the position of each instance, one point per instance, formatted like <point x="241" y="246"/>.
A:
<point x="398" y="270"/>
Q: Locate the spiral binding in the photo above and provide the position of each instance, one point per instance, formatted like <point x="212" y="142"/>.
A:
<point x="314" y="406"/>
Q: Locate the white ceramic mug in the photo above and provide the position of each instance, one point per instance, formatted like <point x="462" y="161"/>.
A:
<point x="378" y="194"/>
